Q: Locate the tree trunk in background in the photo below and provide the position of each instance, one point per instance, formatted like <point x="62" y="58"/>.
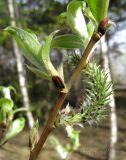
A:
<point x="113" y="117"/>
<point x="20" y="68"/>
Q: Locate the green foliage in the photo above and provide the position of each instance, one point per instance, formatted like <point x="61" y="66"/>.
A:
<point x="45" y="50"/>
<point x="67" y="41"/>
<point x="76" y="19"/>
<point x="33" y="137"/>
<point x="15" y="127"/>
<point x="39" y="55"/>
<point x="84" y="17"/>
<point x="44" y="55"/>
<point x="90" y="28"/>
<point x="38" y="72"/>
<point x="99" y="9"/>
<point x="74" y="139"/>
<point x="96" y="97"/>
<point x="7" y="104"/>
<point x="73" y="59"/>
<point x="64" y="151"/>
<point x="82" y="20"/>
<point x="9" y="127"/>
<point x="59" y="147"/>
<point x="35" y="53"/>
<point x="96" y="11"/>
<point x="29" y="42"/>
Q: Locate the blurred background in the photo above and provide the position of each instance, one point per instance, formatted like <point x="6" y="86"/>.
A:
<point x="42" y="17"/>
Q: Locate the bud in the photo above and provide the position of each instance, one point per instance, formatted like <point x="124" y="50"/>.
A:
<point x="58" y="82"/>
<point x="103" y="25"/>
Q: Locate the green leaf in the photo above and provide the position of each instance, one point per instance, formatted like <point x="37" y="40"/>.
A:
<point x="2" y="115"/>
<point x="33" y="137"/>
<point x="75" y="139"/>
<point x="90" y="16"/>
<point x="22" y="109"/>
<point x="38" y="72"/>
<point x="63" y="15"/>
<point x="76" y="19"/>
<point x="67" y="41"/>
<point x="44" y="54"/>
<point x="1" y="88"/>
<point x="7" y="104"/>
<point x="31" y="33"/>
<point x="90" y="28"/>
<point x="99" y="8"/>
<point x="59" y="147"/>
<point x="29" y="42"/>
<point x="60" y="70"/>
<point x="6" y="92"/>
<point x="15" y="127"/>
<point x="11" y="88"/>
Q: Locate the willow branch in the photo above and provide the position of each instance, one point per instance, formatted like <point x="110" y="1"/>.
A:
<point x="85" y="59"/>
<point x="63" y="93"/>
<point x="50" y="125"/>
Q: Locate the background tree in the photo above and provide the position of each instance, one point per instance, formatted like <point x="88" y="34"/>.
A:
<point x="113" y="117"/>
<point x="20" y="68"/>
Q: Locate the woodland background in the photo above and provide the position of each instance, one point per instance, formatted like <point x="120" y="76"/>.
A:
<point x="42" y="17"/>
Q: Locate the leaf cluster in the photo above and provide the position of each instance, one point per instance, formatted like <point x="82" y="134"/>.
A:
<point x="83" y="18"/>
<point x="64" y="150"/>
<point x="9" y="126"/>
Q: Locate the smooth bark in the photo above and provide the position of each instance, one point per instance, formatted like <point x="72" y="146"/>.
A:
<point x="20" y="68"/>
<point x="113" y="117"/>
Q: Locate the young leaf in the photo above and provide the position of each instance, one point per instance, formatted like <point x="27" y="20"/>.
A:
<point x="60" y="71"/>
<point x="75" y="139"/>
<point x="44" y="54"/>
<point x="29" y="42"/>
<point x="90" y="16"/>
<point x="6" y="104"/>
<point x="6" y="91"/>
<point x="1" y="88"/>
<point x="11" y="88"/>
<point x="33" y="137"/>
<point x="67" y="41"/>
<point x="59" y="147"/>
<point x="99" y="8"/>
<point x="15" y="127"/>
<point x="76" y="19"/>
<point x="2" y="115"/>
<point x="90" y="28"/>
<point x="39" y="72"/>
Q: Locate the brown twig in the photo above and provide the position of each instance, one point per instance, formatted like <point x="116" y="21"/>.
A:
<point x="49" y="127"/>
<point x="63" y="93"/>
<point x="85" y="59"/>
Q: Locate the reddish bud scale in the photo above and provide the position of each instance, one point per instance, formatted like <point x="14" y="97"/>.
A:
<point x="103" y="25"/>
<point x="58" y="82"/>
